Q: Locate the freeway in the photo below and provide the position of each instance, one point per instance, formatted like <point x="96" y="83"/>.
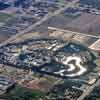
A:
<point x="49" y="15"/>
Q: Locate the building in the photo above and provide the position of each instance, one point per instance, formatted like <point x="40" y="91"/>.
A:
<point x="6" y="84"/>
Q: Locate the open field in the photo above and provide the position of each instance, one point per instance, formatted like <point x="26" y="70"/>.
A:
<point x="85" y="23"/>
<point x="4" y="17"/>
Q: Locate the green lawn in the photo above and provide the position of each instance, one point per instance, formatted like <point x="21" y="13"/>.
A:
<point x="21" y="93"/>
<point x="37" y="94"/>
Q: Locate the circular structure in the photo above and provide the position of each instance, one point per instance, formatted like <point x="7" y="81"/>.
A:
<point x="51" y="55"/>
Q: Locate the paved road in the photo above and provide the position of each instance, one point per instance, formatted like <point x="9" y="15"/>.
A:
<point x="67" y="31"/>
<point x="38" y="23"/>
<point x="95" y="45"/>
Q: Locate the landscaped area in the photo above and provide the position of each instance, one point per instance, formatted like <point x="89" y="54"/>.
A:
<point x="21" y="93"/>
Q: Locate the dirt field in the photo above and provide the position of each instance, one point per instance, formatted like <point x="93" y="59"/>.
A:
<point x="86" y="23"/>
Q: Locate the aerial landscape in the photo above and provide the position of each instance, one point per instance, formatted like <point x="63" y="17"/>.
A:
<point x="49" y="49"/>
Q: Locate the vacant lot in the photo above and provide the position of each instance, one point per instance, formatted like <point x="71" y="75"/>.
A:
<point x="86" y="23"/>
<point x="4" y="17"/>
